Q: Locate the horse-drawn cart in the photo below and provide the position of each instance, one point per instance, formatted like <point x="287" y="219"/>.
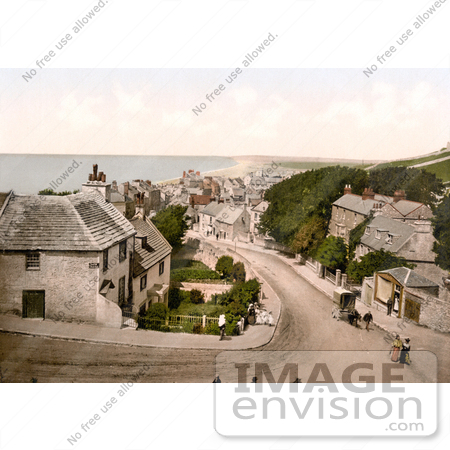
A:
<point x="343" y="303"/>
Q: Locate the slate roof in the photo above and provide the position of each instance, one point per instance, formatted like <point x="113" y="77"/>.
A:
<point x="355" y="203"/>
<point x="80" y="222"/>
<point x="158" y="248"/>
<point x="261" y="206"/>
<point x="3" y="197"/>
<point x="212" y="209"/>
<point x="387" y="225"/>
<point x="409" y="278"/>
<point x="405" y="207"/>
<point x="229" y="215"/>
<point x="117" y="197"/>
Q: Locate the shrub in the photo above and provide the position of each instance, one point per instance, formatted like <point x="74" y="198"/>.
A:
<point x="157" y="311"/>
<point x="197" y="328"/>
<point x="212" y="328"/>
<point x="196" y="296"/>
<point x="175" y="298"/>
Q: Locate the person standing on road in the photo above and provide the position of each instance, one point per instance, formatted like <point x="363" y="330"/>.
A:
<point x="389" y="306"/>
<point x="404" y="355"/>
<point x="368" y="318"/>
<point x="396" y="346"/>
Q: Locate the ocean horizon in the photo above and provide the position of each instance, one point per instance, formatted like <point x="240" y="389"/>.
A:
<point x="29" y="174"/>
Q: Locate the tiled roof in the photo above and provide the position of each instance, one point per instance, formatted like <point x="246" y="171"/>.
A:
<point x="158" y="248"/>
<point x="261" y="206"/>
<point x="82" y="222"/>
<point x="117" y="197"/>
<point x="409" y="278"/>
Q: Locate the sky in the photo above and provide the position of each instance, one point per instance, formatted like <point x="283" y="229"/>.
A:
<point x="326" y="113"/>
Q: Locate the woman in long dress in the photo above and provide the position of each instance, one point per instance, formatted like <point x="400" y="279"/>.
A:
<point x="404" y="355"/>
<point x="396" y="346"/>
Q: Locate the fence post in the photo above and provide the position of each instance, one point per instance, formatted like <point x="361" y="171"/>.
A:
<point x="204" y="321"/>
<point x="320" y="270"/>
<point x="343" y="279"/>
<point x="338" y="277"/>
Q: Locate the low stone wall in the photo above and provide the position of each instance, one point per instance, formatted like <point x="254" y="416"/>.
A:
<point x="208" y="289"/>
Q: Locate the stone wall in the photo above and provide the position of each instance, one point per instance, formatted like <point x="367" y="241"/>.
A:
<point x="207" y="288"/>
<point x="434" y="313"/>
<point x="70" y="285"/>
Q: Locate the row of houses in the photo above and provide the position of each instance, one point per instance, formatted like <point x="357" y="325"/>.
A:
<point x="78" y="258"/>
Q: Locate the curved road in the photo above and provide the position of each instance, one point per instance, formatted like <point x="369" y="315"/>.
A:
<point x="305" y="324"/>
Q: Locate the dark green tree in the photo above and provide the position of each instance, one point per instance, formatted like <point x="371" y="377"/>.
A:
<point x="52" y="192"/>
<point x="333" y="253"/>
<point x="171" y="222"/>
<point x="224" y="266"/>
<point x="418" y="184"/>
<point x="311" y="234"/>
<point x="175" y="298"/>
<point x="293" y="202"/>
<point x="375" y="262"/>
<point x="441" y="231"/>
<point x="238" y="272"/>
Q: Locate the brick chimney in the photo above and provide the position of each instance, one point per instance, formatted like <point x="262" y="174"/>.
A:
<point x="126" y="187"/>
<point x="191" y="171"/>
<point x="368" y="194"/>
<point x="399" y="195"/>
<point x="97" y="182"/>
<point x="347" y="189"/>
<point x="197" y="173"/>
<point x="184" y="174"/>
<point x="148" y="182"/>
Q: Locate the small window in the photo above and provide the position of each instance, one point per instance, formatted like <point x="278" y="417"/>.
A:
<point x="389" y="239"/>
<point x="378" y="234"/>
<point x="161" y="267"/>
<point x="356" y="217"/>
<point x="367" y="230"/>
<point x="105" y="260"/>
<point x="143" y="282"/>
<point x="122" y="251"/>
<point x="33" y="261"/>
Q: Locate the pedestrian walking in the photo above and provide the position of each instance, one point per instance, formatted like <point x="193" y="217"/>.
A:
<point x="354" y="316"/>
<point x="389" y="306"/>
<point x="368" y="318"/>
<point x="217" y="380"/>
<point x="396" y="346"/>
<point x="404" y="355"/>
<point x="217" y="236"/>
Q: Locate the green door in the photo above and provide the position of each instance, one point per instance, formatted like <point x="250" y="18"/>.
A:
<point x="33" y="304"/>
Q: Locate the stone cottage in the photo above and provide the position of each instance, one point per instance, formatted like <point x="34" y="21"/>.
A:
<point x="65" y="257"/>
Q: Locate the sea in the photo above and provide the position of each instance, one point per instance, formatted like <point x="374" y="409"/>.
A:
<point x="29" y="174"/>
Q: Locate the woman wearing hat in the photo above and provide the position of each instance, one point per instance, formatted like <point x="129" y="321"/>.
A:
<point x="404" y="356"/>
<point x="396" y="347"/>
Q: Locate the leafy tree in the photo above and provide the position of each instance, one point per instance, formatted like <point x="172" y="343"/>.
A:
<point x="333" y="253"/>
<point x="418" y="184"/>
<point x="224" y="266"/>
<point x="293" y="202"/>
<point x="171" y="222"/>
<point x="196" y="296"/>
<point x="238" y="272"/>
<point x="375" y="262"/>
<point x="441" y="231"/>
<point x="310" y="235"/>
<point x="244" y="293"/>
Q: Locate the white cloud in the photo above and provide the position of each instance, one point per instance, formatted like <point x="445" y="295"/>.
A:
<point x="81" y="114"/>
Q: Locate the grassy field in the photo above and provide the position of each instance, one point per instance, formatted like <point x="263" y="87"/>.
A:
<point x="441" y="170"/>
<point x="412" y="162"/>
<point x="316" y="165"/>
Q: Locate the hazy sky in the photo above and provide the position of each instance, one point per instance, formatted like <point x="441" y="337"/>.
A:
<point x="395" y="113"/>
